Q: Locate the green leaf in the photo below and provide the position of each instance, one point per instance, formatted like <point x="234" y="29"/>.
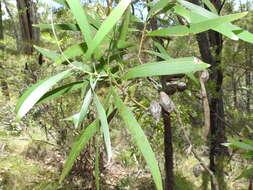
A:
<point x="60" y="91"/>
<point x="161" y="4"/>
<point x="242" y="34"/>
<point x="247" y="154"/>
<point x="140" y="140"/>
<point x="84" y="108"/>
<point x="162" y="50"/>
<point x="237" y="144"/>
<point x="50" y="54"/>
<point x="82" y="66"/>
<point x="163" y="56"/>
<point x="78" y="146"/>
<point x="195" y="28"/>
<point x="33" y="94"/>
<point x="210" y="6"/>
<point x="72" y="27"/>
<point x="192" y="17"/>
<point x="124" y="26"/>
<point x="105" y="127"/>
<point x="72" y="51"/>
<point x="168" y="67"/>
<point x="193" y="78"/>
<point x="246" y="173"/>
<point x="107" y="25"/>
<point x="82" y="20"/>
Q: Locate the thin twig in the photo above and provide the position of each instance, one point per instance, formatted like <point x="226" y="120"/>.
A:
<point x="141" y="43"/>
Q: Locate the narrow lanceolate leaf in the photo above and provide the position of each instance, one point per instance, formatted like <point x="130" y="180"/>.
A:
<point x="140" y="139"/>
<point x="78" y="146"/>
<point x="84" y="108"/>
<point x="163" y="56"/>
<point x="33" y="94"/>
<point x="210" y="6"/>
<point x="195" y="28"/>
<point x="81" y="17"/>
<point x="79" y="117"/>
<point x="124" y="26"/>
<point x="162" y="50"/>
<point x="158" y="7"/>
<point x="72" y="27"/>
<point x="193" y="17"/>
<point x="242" y="34"/>
<point x="241" y="145"/>
<point x="71" y="52"/>
<point x="47" y="53"/>
<point x="107" y="25"/>
<point x="168" y="67"/>
<point x="105" y="127"/>
<point x="60" y="91"/>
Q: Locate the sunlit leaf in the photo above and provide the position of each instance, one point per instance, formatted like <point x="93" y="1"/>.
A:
<point x="210" y="6"/>
<point x="158" y="6"/>
<point x="84" y="108"/>
<point x="198" y="27"/>
<point x="192" y="17"/>
<point x="107" y="25"/>
<point x="105" y="127"/>
<point x="242" y="34"/>
<point x="140" y="139"/>
<point x="168" y="67"/>
<point x="60" y="91"/>
<point x="82" y="20"/>
<point x="33" y="94"/>
<point x="237" y="144"/>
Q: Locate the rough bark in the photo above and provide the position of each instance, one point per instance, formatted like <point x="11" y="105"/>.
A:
<point x="168" y="146"/>
<point x="248" y="76"/>
<point x="27" y="17"/>
<point x="210" y="46"/>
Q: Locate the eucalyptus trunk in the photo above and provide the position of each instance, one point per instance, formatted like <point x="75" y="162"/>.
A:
<point x="210" y="45"/>
<point x="27" y="17"/>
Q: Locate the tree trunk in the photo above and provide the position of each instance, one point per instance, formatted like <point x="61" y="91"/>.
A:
<point x="248" y="56"/>
<point x="168" y="151"/>
<point x="27" y="17"/>
<point x="210" y="46"/>
<point x="168" y="146"/>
